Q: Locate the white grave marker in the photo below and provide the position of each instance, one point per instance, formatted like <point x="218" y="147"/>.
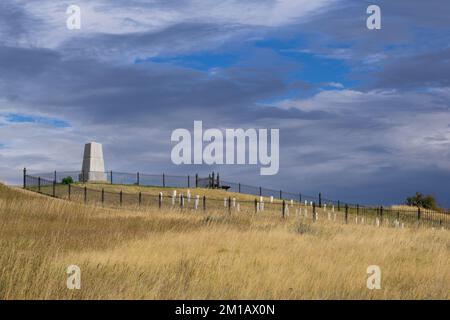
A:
<point x="197" y="200"/>
<point x="174" y="196"/>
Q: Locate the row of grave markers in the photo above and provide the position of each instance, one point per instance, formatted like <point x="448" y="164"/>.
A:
<point x="259" y="207"/>
<point x="230" y="202"/>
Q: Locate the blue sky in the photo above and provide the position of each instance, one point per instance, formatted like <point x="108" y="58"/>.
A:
<point x="306" y="66"/>
<point x="363" y="114"/>
<point x="23" y="118"/>
<point x="202" y="61"/>
<point x="311" y="68"/>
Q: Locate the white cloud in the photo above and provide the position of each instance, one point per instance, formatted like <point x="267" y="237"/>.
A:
<point x="413" y="128"/>
<point x="102" y="16"/>
<point x="336" y="85"/>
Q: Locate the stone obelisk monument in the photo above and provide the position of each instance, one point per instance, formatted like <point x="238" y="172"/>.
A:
<point x="93" y="168"/>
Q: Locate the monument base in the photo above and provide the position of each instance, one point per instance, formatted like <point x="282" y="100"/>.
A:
<point x="93" y="177"/>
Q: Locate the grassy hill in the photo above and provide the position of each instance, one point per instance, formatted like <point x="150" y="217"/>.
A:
<point x="173" y="254"/>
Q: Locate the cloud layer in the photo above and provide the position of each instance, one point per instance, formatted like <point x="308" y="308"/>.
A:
<point x="363" y="116"/>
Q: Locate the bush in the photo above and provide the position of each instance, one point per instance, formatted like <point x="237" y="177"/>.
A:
<point x="67" y="180"/>
<point x="424" y="201"/>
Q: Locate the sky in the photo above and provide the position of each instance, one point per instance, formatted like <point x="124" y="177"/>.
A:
<point x="364" y="115"/>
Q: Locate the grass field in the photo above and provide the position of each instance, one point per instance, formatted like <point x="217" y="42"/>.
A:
<point x="168" y="254"/>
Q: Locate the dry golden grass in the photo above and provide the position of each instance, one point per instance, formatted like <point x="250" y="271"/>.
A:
<point x="167" y="191"/>
<point x="183" y="255"/>
<point x="402" y="207"/>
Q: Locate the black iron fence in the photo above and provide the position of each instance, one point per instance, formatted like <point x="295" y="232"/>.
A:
<point x="189" y="181"/>
<point x="266" y="201"/>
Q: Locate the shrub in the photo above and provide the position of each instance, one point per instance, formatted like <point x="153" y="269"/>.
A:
<point x="67" y="180"/>
<point x="424" y="201"/>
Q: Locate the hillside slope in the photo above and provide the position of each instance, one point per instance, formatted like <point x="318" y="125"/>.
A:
<point x="166" y="254"/>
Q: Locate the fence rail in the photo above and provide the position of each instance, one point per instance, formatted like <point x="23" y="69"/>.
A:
<point x="266" y="200"/>
<point x="189" y="181"/>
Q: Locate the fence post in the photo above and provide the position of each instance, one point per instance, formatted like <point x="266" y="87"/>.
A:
<point x="164" y="180"/>
<point x="346" y="213"/>
<point x="137" y="178"/>
<point x="339" y="205"/>
<point x="204" y="203"/>
<point x="160" y="200"/>
<point x="418" y="213"/>
<point x="189" y="181"/>
<point x="256" y="205"/>
<point x="281" y="194"/>
<point x="300" y="198"/>
<point x="69" y="187"/>
<point x="381" y="214"/>
<point x="239" y="187"/>
<point x="357" y="209"/>
<point x="218" y="180"/>
<point x="120" y="197"/>
<point x="181" y="201"/>
<point x="54" y="188"/>
<point x="54" y="176"/>
<point x="39" y="184"/>
<point x="111" y="177"/>
<point x="85" y="194"/>
<point x="140" y="198"/>
<point x="283" y="210"/>
<point x="103" y="196"/>
<point x="260" y="191"/>
<point x="213" y="181"/>
<point x="320" y="200"/>
<point x="229" y="205"/>
<point x="314" y="212"/>
<point x="24" y="178"/>
<point x="196" y="180"/>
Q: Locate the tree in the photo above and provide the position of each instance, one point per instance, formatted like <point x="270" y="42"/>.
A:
<point x="67" y="180"/>
<point x="424" y="201"/>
